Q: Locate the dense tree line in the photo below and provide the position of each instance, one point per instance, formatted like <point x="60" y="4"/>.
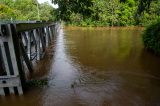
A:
<point x="25" y="10"/>
<point x="84" y="12"/>
<point x="151" y="35"/>
<point x="108" y="12"/>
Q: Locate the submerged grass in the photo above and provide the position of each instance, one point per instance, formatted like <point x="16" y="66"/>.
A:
<point x="36" y="83"/>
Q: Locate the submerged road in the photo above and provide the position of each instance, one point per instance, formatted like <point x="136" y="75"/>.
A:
<point x="96" y="67"/>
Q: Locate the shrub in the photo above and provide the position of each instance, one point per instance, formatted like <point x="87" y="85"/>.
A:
<point x="151" y="37"/>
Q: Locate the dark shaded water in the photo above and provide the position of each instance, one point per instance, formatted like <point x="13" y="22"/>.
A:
<point x="95" y="67"/>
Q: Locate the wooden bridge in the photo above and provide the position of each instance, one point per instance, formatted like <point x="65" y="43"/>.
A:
<point x="20" y="45"/>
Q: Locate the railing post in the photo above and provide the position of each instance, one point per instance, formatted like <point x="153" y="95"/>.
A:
<point x="47" y="36"/>
<point x="42" y="39"/>
<point x="50" y="32"/>
<point x="36" y="32"/>
<point x="2" y="91"/>
<point x="28" y="44"/>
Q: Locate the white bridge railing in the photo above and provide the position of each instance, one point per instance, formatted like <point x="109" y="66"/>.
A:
<point x="20" y="44"/>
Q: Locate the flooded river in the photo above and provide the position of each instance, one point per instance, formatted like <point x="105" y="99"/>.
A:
<point x="95" y="67"/>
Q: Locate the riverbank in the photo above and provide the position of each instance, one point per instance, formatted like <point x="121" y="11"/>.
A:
<point x="104" y="27"/>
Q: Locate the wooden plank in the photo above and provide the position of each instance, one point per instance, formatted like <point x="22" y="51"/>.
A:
<point x="28" y="44"/>
<point x="11" y="90"/>
<point x="2" y="70"/>
<point x="24" y="39"/>
<point x="18" y="57"/>
<point x="42" y="39"/>
<point x="10" y="57"/>
<point x="12" y="51"/>
<point x="38" y="44"/>
<point x="9" y="81"/>
<point x="29" y="26"/>
<point x="4" y="56"/>
<point x="47" y="36"/>
<point x="20" y="91"/>
<point x="50" y="32"/>
<point x="26" y="59"/>
<point x="2" y="93"/>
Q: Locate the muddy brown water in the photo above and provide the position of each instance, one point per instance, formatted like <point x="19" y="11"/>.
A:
<point x="95" y="67"/>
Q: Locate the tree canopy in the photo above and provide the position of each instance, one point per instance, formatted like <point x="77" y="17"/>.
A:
<point x="84" y="12"/>
<point x="25" y="10"/>
<point x="107" y="12"/>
